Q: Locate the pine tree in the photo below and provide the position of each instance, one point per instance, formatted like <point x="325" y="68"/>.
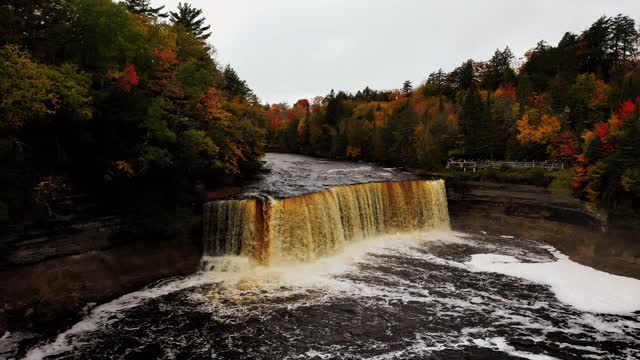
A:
<point x="190" y="19"/>
<point x="624" y="39"/>
<point x="367" y="93"/>
<point x="472" y="114"/>
<point x="233" y="85"/>
<point x="143" y="7"/>
<point x="596" y="45"/>
<point x="407" y="88"/>
<point x="437" y="78"/>
<point x="487" y="131"/>
<point x="462" y="77"/>
<point x="332" y="108"/>
<point x="499" y="70"/>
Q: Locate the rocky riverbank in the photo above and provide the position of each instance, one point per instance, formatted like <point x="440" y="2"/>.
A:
<point x="532" y="212"/>
<point x="50" y="275"/>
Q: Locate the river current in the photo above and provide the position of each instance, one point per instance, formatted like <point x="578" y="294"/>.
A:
<point x="425" y="293"/>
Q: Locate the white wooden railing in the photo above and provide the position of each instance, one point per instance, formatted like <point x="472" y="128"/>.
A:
<point x="482" y="164"/>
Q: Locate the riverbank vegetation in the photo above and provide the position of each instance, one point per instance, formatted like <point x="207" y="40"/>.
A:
<point x="577" y="102"/>
<point x="124" y="104"/>
<point x="537" y="177"/>
<point x="112" y="101"/>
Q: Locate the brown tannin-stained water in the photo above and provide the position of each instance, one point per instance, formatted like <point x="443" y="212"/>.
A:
<point x="360" y="269"/>
<point x="306" y="227"/>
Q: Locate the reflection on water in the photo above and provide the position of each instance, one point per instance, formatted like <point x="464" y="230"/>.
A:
<point x="413" y="296"/>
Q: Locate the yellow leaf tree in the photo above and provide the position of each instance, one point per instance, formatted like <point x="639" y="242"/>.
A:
<point x="537" y="129"/>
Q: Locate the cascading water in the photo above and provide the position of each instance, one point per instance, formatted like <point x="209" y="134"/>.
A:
<point x="290" y="280"/>
<point x="307" y="227"/>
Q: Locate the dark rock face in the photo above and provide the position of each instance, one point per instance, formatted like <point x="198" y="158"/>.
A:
<point x="50" y="277"/>
<point x="532" y="213"/>
<point x="73" y="238"/>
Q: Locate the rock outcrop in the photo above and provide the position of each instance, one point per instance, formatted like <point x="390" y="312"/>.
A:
<point x="531" y="212"/>
<point x="48" y="276"/>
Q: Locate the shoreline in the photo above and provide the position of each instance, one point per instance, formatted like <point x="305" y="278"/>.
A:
<point x="35" y="295"/>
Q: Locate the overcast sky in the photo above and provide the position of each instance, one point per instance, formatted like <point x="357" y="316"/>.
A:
<point x="292" y="49"/>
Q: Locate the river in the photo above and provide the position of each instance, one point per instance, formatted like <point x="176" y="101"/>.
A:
<point x="339" y="260"/>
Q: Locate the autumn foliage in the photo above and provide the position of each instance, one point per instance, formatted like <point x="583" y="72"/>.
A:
<point x="540" y="131"/>
<point x="560" y="103"/>
<point x="131" y="110"/>
<point x="113" y="99"/>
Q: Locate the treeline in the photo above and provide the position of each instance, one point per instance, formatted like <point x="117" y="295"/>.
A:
<point x="120" y="101"/>
<point x="576" y="101"/>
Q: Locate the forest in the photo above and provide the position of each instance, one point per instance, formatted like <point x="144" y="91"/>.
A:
<point x="125" y="104"/>
<point x="576" y="102"/>
<point x="122" y="103"/>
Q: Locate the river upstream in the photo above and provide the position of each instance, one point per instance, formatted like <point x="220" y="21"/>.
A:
<point x="338" y="260"/>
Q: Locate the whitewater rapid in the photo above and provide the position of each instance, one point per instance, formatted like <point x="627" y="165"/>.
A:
<point x="431" y="293"/>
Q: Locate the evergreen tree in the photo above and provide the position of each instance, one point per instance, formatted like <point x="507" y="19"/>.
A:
<point x="234" y="86"/>
<point x="487" y="131"/>
<point x="595" y="45"/>
<point x="437" y="78"/>
<point x="624" y="39"/>
<point x="436" y="83"/>
<point x="540" y="67"/>
<point x="143" y="7"/>
<point x="472" y="114"/>
<point x="567" y="59"/>
<point x="43" y="27"/>
<point x="332" y="108"/>
<point x="462" y="77"/>
<point x="190" y="19"/>
<point x="407" y="88"/>
<point x="404" y="135"/>
<point x="367" y="94"/>
<point x="499" y="70"/>
<point x="96" y="101"/>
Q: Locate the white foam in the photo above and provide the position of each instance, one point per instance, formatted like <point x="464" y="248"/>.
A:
<point x="500" y="344"/>
<point x="356" y="169"/>
<point x="316" y="354"/>
<point x="238" y="273"/>
<point x="10" y="343"/>
<point x="246" y="289"/>
<point x="580" y="286"/>
<point x="104" y="314"/>
<point x="318" y="272"/>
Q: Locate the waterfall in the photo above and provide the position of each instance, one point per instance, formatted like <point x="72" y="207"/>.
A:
<point x="306" y="227"/>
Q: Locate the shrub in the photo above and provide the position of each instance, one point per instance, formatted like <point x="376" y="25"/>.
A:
<point x="536" y="177"/>
<point x="561" y="183"/>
